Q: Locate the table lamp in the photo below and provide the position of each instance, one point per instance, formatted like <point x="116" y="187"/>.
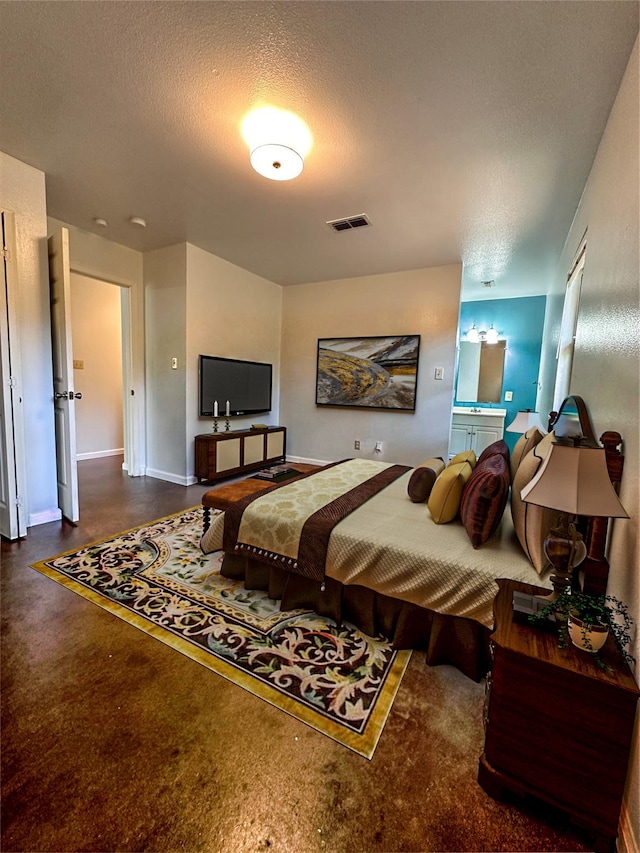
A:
<point x="524" y="420"/>
<point x="574" y="480"/>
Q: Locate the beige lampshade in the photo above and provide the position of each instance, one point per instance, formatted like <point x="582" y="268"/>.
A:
<point x="524" y="421"/>
<point x="575" y="480"/>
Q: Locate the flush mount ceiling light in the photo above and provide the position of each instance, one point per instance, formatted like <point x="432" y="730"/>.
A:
<point x="278" y="141"/>
<point x="138" y="221"/>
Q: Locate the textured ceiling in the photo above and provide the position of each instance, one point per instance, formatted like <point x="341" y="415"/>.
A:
<point x="465" y="130"/>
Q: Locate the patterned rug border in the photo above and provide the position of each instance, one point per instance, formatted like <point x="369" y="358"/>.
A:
<point x="363" y="744"/>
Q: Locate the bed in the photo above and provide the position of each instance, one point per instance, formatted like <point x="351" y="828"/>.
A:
<point x="385" y="565"/>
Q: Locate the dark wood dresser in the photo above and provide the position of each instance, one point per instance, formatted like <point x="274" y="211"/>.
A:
<point x="229" y="453"/>
<point x="557" y="725"/>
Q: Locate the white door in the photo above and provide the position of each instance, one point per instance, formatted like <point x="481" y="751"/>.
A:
<point x="13" y="519"/>
<point x="63" y="391"/>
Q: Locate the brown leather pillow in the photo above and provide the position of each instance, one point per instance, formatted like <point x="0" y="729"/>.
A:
<point x="499" y="446"/>
<point x="484" y="498"/>
<point x="422" y="480"/>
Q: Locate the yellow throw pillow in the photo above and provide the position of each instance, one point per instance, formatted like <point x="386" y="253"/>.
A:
<point x="466" y="456"/>
<point x="444" y="500"/>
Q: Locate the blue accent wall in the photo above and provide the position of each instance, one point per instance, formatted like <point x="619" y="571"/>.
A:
<point x="520" y="322"/>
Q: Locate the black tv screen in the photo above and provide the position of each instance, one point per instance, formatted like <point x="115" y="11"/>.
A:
<point x="245" y="384"/>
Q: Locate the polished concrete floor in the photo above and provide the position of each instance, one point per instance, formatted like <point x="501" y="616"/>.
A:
<point x="113" y="741"/>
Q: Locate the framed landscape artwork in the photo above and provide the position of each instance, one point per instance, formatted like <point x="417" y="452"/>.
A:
<point x="368" y="373"/>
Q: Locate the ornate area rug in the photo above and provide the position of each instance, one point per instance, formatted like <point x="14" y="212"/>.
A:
<point x="336" y="679"/>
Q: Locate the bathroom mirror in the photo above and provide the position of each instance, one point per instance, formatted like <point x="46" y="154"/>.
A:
<point x="480" y="369"/>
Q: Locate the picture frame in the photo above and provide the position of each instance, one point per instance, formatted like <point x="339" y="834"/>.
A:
<point x="377" y="372"/>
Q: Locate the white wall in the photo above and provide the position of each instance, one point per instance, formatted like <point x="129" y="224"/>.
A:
<point x="22" y="190"/>
<point x="606" y="368"/>
<point x="231" y="313"/>
<point x="165" y="275"/>
<point x="96" y="328"/>
<point x="424" y="302"/>
<point x="197" y="303"/>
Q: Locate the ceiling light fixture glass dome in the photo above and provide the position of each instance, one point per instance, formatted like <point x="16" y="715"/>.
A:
<point x="278" y="141"/>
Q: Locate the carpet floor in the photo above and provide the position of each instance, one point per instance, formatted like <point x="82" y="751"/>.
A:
<point x="334" y="678"/>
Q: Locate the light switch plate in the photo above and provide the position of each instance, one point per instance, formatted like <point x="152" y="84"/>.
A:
<point x="508" y="396"/>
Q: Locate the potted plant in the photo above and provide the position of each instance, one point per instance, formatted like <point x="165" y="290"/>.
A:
<point x="587" y="619"/>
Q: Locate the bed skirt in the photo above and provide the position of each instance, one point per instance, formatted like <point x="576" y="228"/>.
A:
<point x="453" y="640"/>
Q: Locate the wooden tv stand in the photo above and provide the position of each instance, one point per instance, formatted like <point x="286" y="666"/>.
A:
<point x="226" y="454"/>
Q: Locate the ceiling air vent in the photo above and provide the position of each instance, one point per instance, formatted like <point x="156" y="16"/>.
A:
<point x="349" y="222"/>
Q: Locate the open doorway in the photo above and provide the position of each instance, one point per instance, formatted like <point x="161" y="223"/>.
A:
<point x="97" y="333"/>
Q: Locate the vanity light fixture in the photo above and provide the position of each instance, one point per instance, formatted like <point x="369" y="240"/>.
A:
<point x="474" y="336"/>
<point x="491" y="335"/>
<point x="278" y="141"/>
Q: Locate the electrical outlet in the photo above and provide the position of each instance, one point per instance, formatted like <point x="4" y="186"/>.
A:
<point x="508" y="396"/>
<point x="378" y="447"/>
<point x="356" y="444"/>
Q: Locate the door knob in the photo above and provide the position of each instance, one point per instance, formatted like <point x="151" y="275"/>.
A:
<point x="68" y="395"/>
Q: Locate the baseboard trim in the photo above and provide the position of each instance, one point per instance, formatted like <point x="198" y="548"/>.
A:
<point x="627" y="839"/>
<point x="170" y="478"/>
<point x="307" y="460"/>
<point x="141" y="471"/>
<point x="44" y="517"/>
<point x="100" y="454"/>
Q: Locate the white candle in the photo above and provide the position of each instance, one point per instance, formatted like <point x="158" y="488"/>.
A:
<point x="215" y="408"/>
<point x="227" y="412"/>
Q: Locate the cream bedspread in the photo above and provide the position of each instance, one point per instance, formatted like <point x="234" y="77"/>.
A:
<point x="392" y="546"/>
<point x="294" y="504"/>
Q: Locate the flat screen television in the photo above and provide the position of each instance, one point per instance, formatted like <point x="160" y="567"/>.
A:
<point x="245" y="384"/>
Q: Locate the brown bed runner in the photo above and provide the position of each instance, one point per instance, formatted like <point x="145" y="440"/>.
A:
<point x="310" y="559"/>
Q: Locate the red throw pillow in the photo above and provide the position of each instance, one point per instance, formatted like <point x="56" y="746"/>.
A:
<point x="484" y="498"/>
<point x="500" y="447"/>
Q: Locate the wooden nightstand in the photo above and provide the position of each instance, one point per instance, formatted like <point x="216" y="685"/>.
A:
<point x="557" y="726"/>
